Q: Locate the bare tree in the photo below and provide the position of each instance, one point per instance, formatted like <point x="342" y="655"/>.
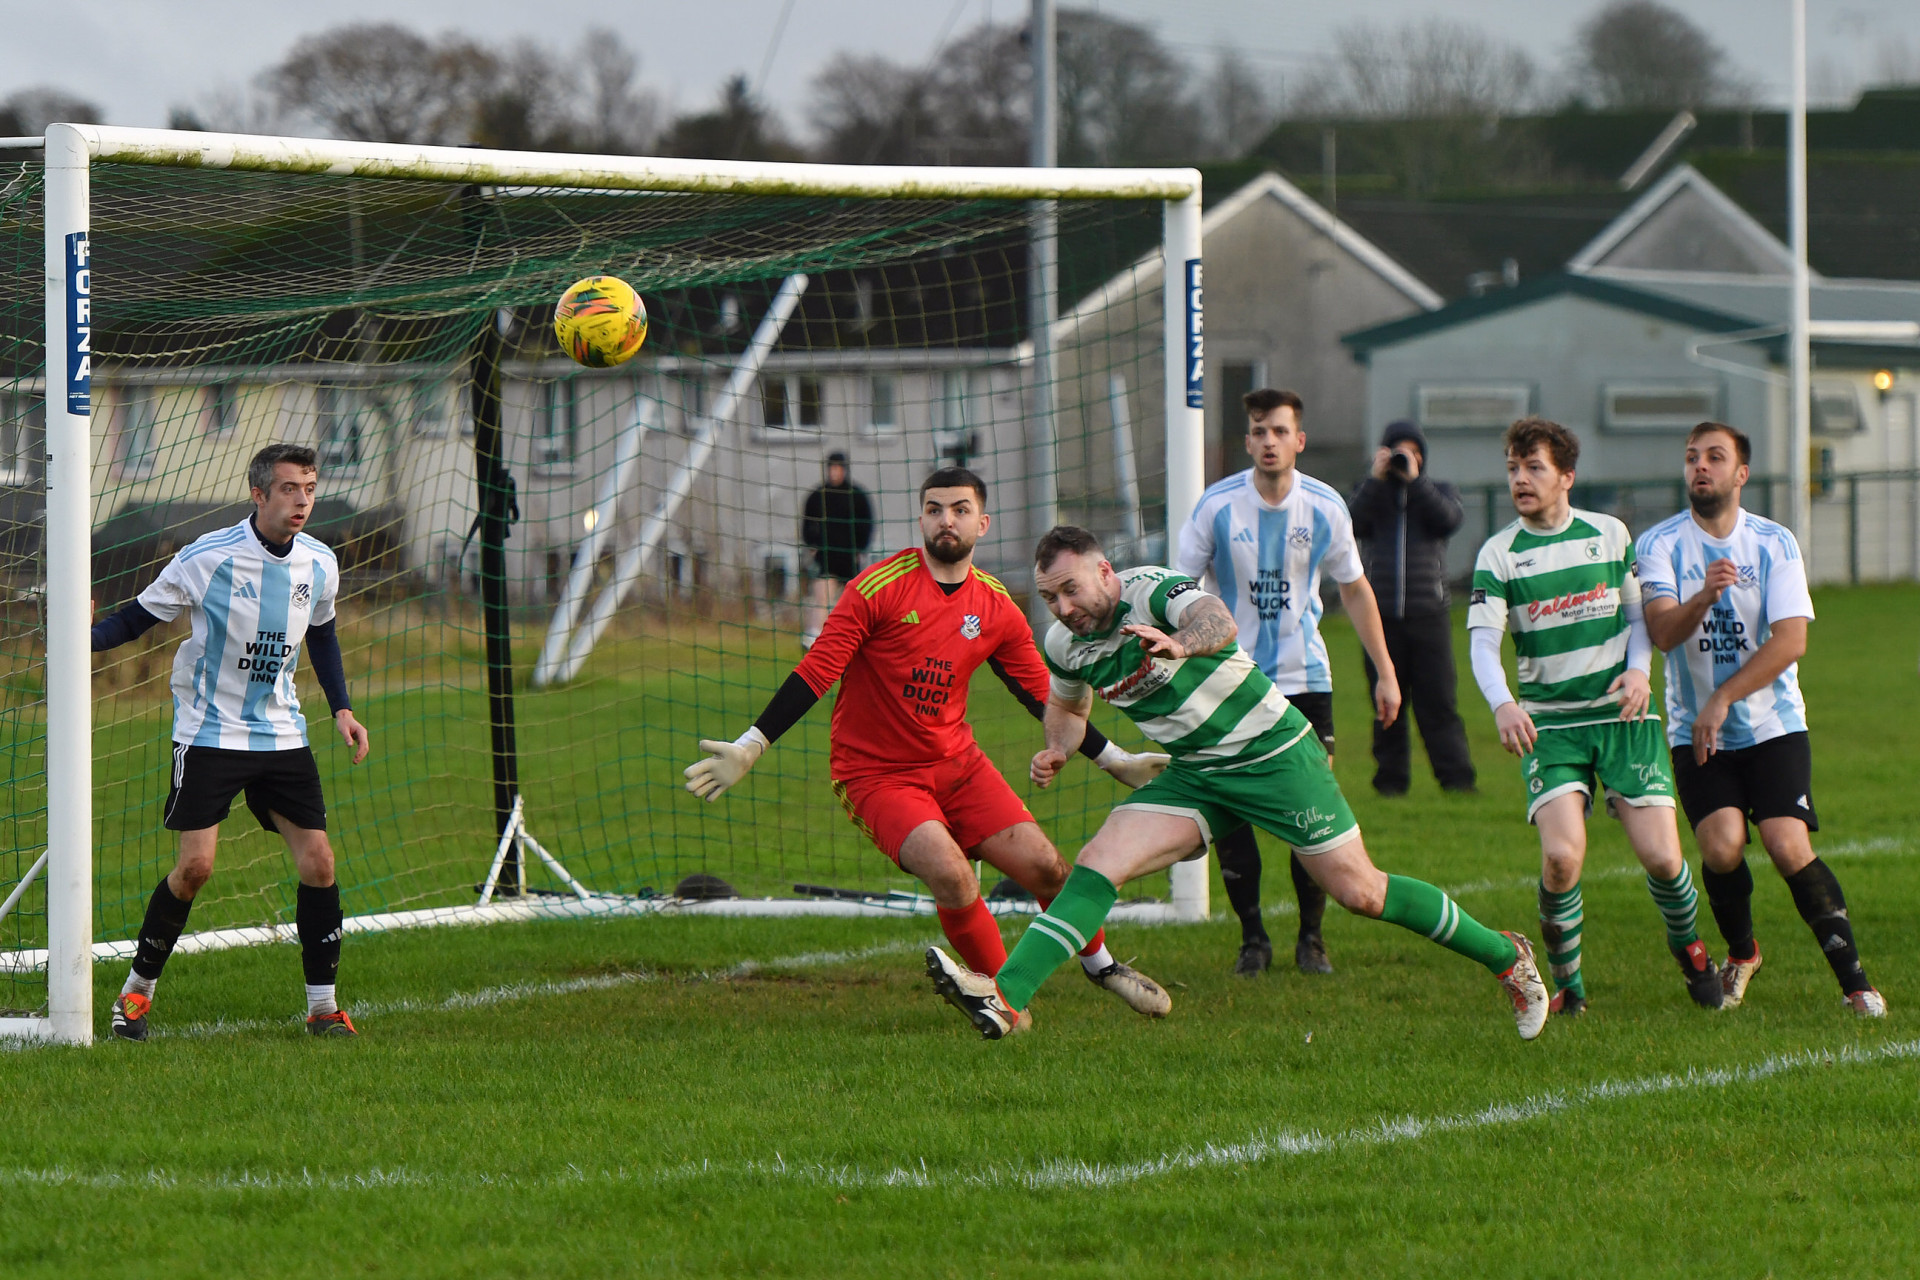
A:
<point x="968" y="105"/>
<point x="618" y="115"/>
<point x="383" y="83"/>
<point x="1426" y="70"/>
<point x="30" y="111"/>
<point x="1124" y="97"/>
<point x="1236" y="108"/>
<point x="740" y="127"/>
<point x="1640" y="54"/>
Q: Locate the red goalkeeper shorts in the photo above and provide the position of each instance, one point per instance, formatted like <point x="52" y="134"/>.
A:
<point x="966" y="794"/>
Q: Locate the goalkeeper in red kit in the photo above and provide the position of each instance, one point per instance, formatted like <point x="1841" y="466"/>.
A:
<point x="904" y="641"/>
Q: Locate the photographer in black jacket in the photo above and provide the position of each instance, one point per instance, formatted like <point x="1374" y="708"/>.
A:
<point x="1403" y="520"/>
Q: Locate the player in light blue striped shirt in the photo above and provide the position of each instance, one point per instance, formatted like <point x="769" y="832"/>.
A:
<point x="1726" y="598"/>
<point x="1259" y="540"/>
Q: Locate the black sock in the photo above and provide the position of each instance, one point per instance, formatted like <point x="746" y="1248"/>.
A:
<point x="1824" y="908"/>
<point x="1240" y="872"/>
<point x="166" y="917"/>
<point x="1313" y="899"/>
<point x="316" y="918"/>
<point x="1730" y="894"/>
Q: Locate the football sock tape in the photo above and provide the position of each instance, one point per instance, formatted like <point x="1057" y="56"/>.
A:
<point x="1817" y="895"/>
<point x="166" y="917"/>
<point x="317" y="919"/>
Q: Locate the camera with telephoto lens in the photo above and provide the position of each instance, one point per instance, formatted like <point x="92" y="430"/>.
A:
<point x="1399" y="466"/>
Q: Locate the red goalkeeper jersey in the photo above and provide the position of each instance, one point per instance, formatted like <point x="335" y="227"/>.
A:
<point x="904" y="651"/>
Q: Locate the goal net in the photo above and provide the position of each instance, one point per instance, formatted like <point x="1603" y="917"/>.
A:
<point x="554" y="580"/>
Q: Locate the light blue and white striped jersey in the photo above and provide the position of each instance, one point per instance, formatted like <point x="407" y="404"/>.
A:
<point x="1673" y="559"/>
<point x="1265" y="560"/>
<point x="233" y="677"/>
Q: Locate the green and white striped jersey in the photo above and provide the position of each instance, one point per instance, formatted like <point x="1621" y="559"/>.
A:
<point x="1218" y="711"/>
<point x="1564" y="596"/>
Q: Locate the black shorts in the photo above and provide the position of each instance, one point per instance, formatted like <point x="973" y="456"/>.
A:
<point x="843" y="566"/>
<point x="1773" y="779"/>
<point x="1318" y="709"/>
<point x="206" y="779"/>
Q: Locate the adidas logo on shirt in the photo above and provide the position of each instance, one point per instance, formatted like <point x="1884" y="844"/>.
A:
<point x="244" y="590"/>
<point x="912" y="616"/>
<point x="1245" y="535"/>
<point x="1802" y="802"/>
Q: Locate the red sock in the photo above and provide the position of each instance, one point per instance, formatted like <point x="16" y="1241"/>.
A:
<point x="975" y="935"/>
<point x="1094" y="943"/>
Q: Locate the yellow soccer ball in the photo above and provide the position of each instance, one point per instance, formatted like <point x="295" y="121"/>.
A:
<point x="600" y="322"/>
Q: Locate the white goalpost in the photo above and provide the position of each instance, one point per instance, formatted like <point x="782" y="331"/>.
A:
<point x="579" y="625"/>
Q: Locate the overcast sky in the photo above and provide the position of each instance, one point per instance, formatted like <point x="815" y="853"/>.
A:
<point x="138" y="58"/>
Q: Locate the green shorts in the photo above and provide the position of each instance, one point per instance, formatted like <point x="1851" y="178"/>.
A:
<point x="1628" y="757"/>
<point x="1292" y="794"/>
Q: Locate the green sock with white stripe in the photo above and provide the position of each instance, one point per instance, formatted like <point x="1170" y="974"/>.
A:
<point x="1417" y="905"/>
<point x="1056" y="934"/>
<point x="1563" y="918"/>
<point x="1679" y="905"/>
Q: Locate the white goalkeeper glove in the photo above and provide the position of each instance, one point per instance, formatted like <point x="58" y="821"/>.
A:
<point x="728" y="763"/>
<point x="1134" y="769"/>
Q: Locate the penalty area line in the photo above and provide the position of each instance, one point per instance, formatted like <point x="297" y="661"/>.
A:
<point x="1057" y="1174"/>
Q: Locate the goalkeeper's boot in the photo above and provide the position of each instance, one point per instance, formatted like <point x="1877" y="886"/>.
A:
<point x="1868" y="1003"/>
<point x="1703" y="979"/>
<point x="1310" y="954"/>
<point x="130" y="1016"/>
<point x="1524" y="988"/>
<point x="1734" y="977"/>
<point x="1253" y="959"/>
<point x="1567" y="1004"/>
<point x="335" y="1025"/>
<point x="975" y="995"/>
<point x="1140" y="993"/>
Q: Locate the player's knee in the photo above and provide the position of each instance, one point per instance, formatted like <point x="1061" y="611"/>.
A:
<point x="316" y="864"/>
<point x="1560" y="865"/>
<point x="192" y="874"/>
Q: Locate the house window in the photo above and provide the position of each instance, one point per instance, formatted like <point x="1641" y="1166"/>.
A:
<point x="883" y="405"/>
<point x="219" y="408"/>
<point x="790" y="404"/>
<point x="1468" y="407"/>
<point x="1656" y="406"/>
<point x="134" y="421"/>
<point x="340" y="426"/>
<point x="692" y="399"/>
<point x="1836" y="409"/>
<point x="1237" y="377"/>
<point x="953" y="437"/>
<point x="555" y="421"/>
<point x="427" y="409"/>
<point x="22" y="420"/>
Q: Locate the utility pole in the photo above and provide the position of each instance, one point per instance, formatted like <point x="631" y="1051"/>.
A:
<point x="1043" y="280"/>
<point x="1799" y="344"/>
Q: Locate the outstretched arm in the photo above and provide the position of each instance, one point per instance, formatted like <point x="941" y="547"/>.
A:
<point x="130" y="623"/>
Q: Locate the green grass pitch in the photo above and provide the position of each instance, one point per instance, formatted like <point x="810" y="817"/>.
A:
<point x="725" y="1097"/>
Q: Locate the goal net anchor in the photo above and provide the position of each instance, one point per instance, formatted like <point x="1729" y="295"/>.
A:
<point x="517" y="838"/>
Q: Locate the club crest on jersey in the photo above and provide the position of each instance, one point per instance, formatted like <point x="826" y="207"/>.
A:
<point x="1593" y="551"/>
<point x="302" y="596"/>
<point x="970" y="626"/>
<point x="1749" y="575"/>
<point x="1300" y="536"/>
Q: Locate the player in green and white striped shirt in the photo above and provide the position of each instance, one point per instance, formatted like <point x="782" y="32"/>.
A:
<point x="1152" y="643"/>
<point x="1562" y="581"/>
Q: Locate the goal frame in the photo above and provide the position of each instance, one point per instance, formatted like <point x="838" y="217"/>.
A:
<point x="71" y="150"/>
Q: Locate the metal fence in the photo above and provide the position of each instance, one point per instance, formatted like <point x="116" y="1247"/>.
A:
<point x="1866" y="524"/>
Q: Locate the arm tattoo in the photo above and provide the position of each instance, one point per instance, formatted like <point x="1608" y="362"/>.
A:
<point x="1210" y="628"/>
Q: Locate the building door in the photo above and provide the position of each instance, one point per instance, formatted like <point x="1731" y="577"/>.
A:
<point x="1227" y="441"/>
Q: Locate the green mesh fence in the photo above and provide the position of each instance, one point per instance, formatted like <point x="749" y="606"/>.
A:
<point x="233" y="310"/>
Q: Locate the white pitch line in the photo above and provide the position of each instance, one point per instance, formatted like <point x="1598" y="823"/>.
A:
<point x="1057" y="1174"/>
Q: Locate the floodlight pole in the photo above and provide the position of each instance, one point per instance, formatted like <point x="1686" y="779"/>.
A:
<point x="68" y="547"/>
<point x="1799" y="343"/>
<point x="1043" y="284"/>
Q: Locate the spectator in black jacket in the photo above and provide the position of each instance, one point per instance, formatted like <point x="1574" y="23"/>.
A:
<point x="1403" y="519"/>
<point x="836" y="525"/>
